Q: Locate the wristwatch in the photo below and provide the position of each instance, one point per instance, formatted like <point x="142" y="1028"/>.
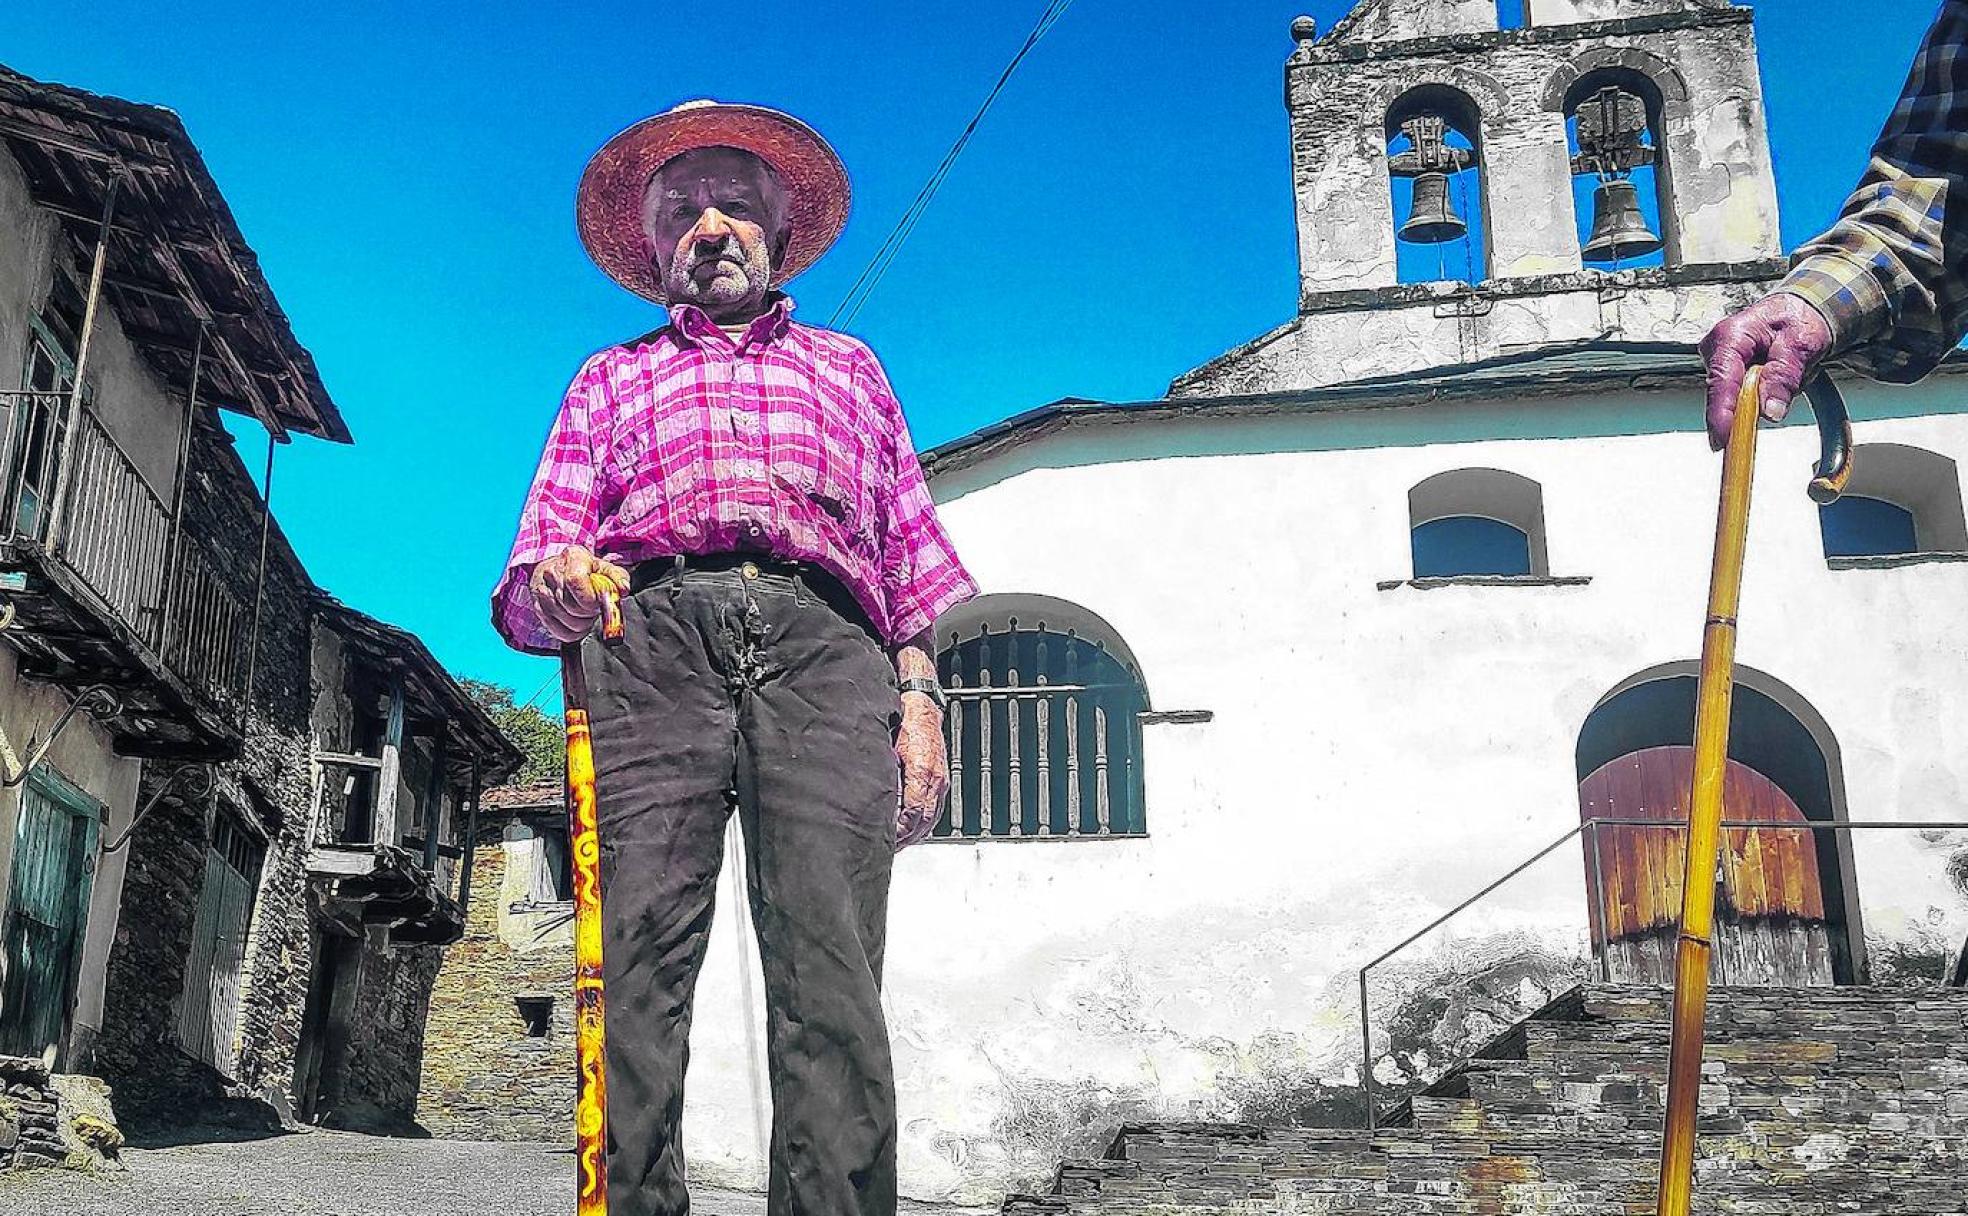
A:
<point x="927" y="687"/>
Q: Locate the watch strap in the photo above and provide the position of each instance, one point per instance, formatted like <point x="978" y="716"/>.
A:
<point x="929" y="688"/>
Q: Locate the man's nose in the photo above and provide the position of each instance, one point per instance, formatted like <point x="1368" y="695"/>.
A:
<point x="713" y="228"/>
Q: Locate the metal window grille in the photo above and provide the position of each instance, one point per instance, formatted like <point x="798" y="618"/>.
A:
<point x="1044" y="731"/>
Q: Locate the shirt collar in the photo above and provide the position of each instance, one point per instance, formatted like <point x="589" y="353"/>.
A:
<point x="695" y="325"/>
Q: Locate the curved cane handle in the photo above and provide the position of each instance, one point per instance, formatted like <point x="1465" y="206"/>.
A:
<point x="611" y="607"/>
<point x="1834" y="469"/>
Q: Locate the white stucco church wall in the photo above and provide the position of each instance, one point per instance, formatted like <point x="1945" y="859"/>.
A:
<point x="1367" y="752"/>
<point x="1375" y="755"/>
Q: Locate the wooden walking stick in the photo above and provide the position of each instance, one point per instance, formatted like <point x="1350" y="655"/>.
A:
<point x="591" y="1106"/>
<point x="1691" y="953"/>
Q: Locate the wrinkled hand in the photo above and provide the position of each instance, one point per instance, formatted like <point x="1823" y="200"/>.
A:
<point x="1781" y="332"/>
<point x="564" y="596"/>
<point x="925" y="769"/>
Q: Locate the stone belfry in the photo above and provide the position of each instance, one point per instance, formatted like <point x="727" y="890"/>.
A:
<point x="1479" y="133"/>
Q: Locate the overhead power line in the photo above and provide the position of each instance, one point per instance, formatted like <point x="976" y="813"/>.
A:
<point x="884" y="257"/>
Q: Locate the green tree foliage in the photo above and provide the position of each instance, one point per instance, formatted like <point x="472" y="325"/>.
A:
<point x="532" y="731"/>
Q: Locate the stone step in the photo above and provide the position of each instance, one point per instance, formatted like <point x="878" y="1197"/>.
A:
<point x="1778" y="1007"/>
<point x="1813" y="1104"/>
<point x="1091" y="1177"/>
<point x="1918" y="1039"/>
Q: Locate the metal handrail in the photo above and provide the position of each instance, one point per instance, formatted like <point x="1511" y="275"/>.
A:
<point x="1597" y="894"/>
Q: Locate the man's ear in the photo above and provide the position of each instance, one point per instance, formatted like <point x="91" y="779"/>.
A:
<point x="781" y="245"/>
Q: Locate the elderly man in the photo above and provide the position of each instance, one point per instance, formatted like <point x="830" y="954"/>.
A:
<point x="750" y="486"/>
<point x="1886" y="288"/>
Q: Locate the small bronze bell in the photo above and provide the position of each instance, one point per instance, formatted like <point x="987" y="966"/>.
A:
<point x="1431" y="218"/>
<point x="1619" y="231"/>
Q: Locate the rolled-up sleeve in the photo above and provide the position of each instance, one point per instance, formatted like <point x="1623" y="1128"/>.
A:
<point x="1891" y="276"/>
<point x="561" y="511"/>
<point x="921" y="575"/>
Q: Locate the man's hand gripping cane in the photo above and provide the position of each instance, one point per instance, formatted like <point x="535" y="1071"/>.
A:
<point x="604" y="590"/>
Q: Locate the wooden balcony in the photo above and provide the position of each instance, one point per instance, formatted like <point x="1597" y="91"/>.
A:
<point x="110" y="594"/>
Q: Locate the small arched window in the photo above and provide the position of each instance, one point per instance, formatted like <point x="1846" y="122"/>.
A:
<point x="1044" y="723"/>
<point x="1434" y="158"/>
<point x="1477" y="522"/>
<point x="1901" y="501"/>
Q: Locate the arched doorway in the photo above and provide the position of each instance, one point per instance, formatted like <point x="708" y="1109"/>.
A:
<point x="1785" y="908"/>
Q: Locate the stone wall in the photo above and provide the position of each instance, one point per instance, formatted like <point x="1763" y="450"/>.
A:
<point x="386" y="1034"/>
<point x="136" y="1048"/>
<point x="484" y="1077"/>
<point x="29" y="1125"/>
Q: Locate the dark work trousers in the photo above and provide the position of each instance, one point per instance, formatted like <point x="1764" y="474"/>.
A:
<point x="767" y="691"/>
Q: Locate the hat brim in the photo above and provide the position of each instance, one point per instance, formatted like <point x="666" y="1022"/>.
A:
<point x="608" y="205"/>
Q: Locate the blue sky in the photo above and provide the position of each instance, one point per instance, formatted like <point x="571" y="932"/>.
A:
<point x="406" y="173"/>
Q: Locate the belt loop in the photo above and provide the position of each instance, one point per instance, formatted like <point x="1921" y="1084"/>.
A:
<point x="802" y="595"/>
<point x="676" y="582"/>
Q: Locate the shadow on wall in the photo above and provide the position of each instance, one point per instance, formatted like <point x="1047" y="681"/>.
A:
<point x="1930" y="952"/>
<point x="1442" y="1010"/>
<point x="1427" y="1017"/>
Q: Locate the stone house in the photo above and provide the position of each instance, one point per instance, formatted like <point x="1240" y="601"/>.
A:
<point x="1276" y="670"/>
<point x="498" y="1058"/>
<point x="195" y="906"/>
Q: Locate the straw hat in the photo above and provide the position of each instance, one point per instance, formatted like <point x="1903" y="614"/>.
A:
<point x="608" y="206"/>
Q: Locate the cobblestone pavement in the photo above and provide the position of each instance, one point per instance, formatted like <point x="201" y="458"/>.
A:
<point x="326" y="1173"/>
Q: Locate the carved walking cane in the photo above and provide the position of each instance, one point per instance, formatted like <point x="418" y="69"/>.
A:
<point x="1692" y="949"/>
<point x="591" y="1106"/>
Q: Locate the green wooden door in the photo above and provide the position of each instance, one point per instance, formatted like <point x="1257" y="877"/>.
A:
<point x="47" y="910"/>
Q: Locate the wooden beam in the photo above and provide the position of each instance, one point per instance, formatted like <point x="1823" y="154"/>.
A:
<point x="443" y="850"/>
<point x="146" y="287"/>
<point x="343" y="861"/>
<point x="94" y="221"/>
<point x="470" y="847"/>
<point x="74" y="145"/>
<point x="350" y="759"/>
<point x="434" y="804"/>
<point x="390" y="771"/>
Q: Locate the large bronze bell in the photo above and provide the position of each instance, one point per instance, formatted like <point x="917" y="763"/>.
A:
<point x="1619" y="231"/>
<point x="1431" y="218"/>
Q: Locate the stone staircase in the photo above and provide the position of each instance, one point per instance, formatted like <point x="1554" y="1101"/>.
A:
<point x="1851" y="1100"/>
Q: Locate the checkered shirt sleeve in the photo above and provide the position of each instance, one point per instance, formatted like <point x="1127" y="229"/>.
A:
<point x="1891" y="276"/>
<point x="562" y="510"/>
<point x="921" y="574"/>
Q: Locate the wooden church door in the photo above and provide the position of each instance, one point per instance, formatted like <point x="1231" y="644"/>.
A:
<point x="1770" y="908"/>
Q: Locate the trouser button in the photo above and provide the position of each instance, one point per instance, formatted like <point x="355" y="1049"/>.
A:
<point x="750" y="569"/>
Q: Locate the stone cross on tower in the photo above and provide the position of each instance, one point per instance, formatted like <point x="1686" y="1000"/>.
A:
<point x="1680" y="136"/>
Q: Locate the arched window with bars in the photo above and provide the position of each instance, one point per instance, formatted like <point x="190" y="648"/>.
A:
<point x="1044" y="723"/>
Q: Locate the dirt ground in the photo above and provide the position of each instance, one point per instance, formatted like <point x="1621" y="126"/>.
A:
<point x="326" y="1173"/>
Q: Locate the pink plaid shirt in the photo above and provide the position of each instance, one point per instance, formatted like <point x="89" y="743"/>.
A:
<point x="787" y="442"/>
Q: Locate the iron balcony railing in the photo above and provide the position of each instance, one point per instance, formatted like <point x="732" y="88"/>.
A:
<point x="1600" y="964"/>
<point x="116" y="538"/>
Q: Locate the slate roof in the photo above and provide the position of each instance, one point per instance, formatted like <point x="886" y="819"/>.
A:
<point x="176" y="257"/>
<point x="1557" y="369"/>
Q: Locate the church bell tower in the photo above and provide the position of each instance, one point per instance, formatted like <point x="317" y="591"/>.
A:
<point x="1474" y="179"/>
